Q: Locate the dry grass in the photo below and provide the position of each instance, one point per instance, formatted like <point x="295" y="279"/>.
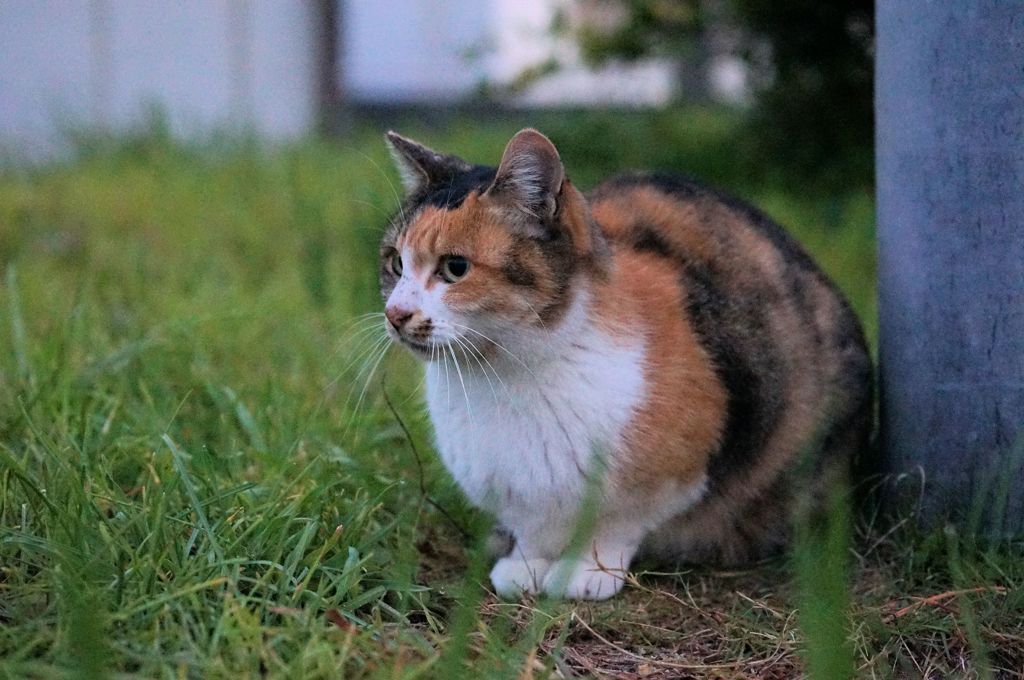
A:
<point x="908" y="617"/>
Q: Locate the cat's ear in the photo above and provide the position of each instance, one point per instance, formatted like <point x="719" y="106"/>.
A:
<point x="420" y="166"/>
<point x="530" y="175"/>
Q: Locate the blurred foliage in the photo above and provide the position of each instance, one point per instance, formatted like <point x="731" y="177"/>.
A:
<point x="811" y="65"/>
<point x="818" y="109"/>
<point x="633" y="29"/>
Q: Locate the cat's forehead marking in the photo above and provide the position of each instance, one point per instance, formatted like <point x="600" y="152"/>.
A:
<point x="467" y="230"/>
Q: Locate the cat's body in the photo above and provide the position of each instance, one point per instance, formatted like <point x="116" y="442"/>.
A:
<point x="656" y="354"/>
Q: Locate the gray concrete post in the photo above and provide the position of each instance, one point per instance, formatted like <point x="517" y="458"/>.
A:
<point x="950" y="164"/>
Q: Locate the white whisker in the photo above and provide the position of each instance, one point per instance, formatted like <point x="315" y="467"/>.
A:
<point x="536" y="314"/>
<point x="366" y="383"/>
<point x="366" y="357"/>
<point x="361" y="353"/>
<point x="477" y="355"/>
<point x="496" y="344"/>
<point x="398" y="199"/>
<point x="465" y="394"/>
<point x="447" y="378"/>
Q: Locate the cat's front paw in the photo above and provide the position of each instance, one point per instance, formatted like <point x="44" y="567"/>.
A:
<point x="583" y="580"/>
<point x="513" y="576"/>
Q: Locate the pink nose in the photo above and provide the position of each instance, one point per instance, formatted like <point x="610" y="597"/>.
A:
<point x="397" y="316"/>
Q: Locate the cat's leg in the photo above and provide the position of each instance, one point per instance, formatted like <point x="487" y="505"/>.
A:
<point x="515" y="575"/>
<point x="521" y="571"/>
<point x="500" y="542"/>
<point x="600" y="570"/>
<point x="540" y="534"/>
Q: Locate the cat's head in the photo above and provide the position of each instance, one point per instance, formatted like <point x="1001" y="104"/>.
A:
<point x="480" y="257"/>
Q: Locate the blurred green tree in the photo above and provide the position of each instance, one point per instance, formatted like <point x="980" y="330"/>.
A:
<point x="811" y="66"/>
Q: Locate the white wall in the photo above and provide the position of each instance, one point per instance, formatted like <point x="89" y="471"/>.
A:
<point x="214" y="63"/>
<point x="44" y="69"/>
<point x="443" y="50"/>
<point x="413" y="50"/>
<point x="206" y="63"/>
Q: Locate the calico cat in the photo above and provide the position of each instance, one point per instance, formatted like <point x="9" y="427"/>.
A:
<point x="655" y="340"/>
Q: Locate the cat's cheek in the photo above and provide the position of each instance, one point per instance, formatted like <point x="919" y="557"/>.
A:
<point x="462" y="300"/>
<point x="481" y="302"/>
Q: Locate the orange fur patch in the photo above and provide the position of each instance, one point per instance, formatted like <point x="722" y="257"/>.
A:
<point x="681" y="420"/>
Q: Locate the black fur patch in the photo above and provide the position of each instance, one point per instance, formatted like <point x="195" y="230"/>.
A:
<point x="561" y="260"/>
<point x="516" y="272"/>
<point x="448" y="193"/>
<point x="744" y="362"/>
<point x="451" y="193"/>
<point x="648" y="240"/>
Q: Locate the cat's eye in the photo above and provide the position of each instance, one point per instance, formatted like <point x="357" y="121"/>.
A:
<point x="453" y="268"/>
<point x="395" y="263"/>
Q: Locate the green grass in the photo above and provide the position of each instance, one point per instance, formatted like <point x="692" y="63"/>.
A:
<point x="194" y="483"/>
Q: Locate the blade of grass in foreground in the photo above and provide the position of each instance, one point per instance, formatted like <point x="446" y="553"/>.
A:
<point x="197" y="507"/>
<point x="980" y="655"/>
<point x="820" y="555"/>
<point x="18" y="337"/>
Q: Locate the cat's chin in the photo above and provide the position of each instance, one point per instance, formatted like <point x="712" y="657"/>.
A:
<point x="421" y="350"/>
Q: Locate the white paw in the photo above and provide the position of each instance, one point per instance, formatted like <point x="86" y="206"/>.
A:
<point x="583" y="580"/>
<point x="513" y="576"/>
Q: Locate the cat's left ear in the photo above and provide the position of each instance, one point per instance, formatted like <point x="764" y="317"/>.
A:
<point x="419" y="166"/>
<point x="530" y="175"/>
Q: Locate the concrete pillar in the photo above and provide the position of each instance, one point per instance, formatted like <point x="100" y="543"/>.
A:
<point x="950" y="142"/>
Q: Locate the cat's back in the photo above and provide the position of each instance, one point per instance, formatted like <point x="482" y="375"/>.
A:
<point x="783" y="342"/>
<point x="734" y="262"/>
<point x="731" y="257"/>
<point x="697" y="226"/>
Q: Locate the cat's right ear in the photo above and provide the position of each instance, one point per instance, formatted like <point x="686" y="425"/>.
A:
<point x="529" y="177"/>
<point x="420" y="166"/>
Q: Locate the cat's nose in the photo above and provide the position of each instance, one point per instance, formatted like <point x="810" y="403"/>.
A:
<point x="398" y="316"/>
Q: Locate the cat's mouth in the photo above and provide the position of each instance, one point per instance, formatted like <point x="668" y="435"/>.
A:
<point x="422" y="345"/>
<point x="423" y="350"/>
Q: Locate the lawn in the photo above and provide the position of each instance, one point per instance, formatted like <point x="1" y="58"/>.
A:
<point x="209" y="469"/>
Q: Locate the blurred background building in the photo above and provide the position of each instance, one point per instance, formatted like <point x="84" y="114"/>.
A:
<point x="107" y="63"/>
<point x="283" y="67"/>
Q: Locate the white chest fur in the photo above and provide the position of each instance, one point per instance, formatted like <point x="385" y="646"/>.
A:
<point x="522" y="440"/>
